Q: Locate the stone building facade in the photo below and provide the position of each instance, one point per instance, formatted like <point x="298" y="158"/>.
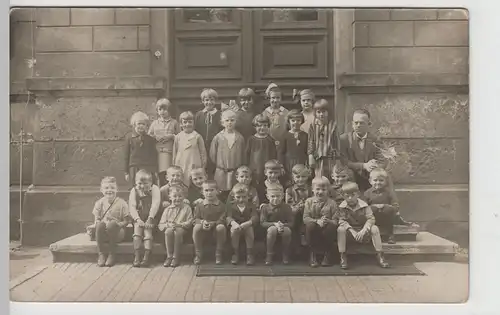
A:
<point x="78" y="74"/>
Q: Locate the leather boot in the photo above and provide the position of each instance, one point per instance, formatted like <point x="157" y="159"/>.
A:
<point x="326" y="260"/>
<point x="218" y="257"/>
<point x="145" y="259"/>
<point x="168" y="262"/>
<point x="137" y="258"/>
<point x="269" y="259"/>
<point x="381" y="261"/>
<point x="250" y="257"/>
<point x="197" y="258"/>
<point x="312" y="259"/>
<point x="343" y="261"/>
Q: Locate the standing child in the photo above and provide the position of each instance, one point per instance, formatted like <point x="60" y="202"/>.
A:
<point x="296" y="196"/>
<point x="360" y="149"/>
<point x="245" y="114"/>
<point x="306" y="102"/>
<point x="384" y="203"/>
<point x="260" y="148"/>
<point x="207" y="122"/>
<point x="322" y="146"/>
<point x="319" y="223"/>
<point x="189" y="150"/>
<point x="242" y="218"/>
<point x="164" y="130"/>
<point x="244" y="177"/>
<point x="143" y="202"/>
<point x="226" y="152"/>
<point x="175" y="222"/>
<point x="111" y="217"/>
<point x="276" y="113"/>
<point x="293" y="149"/>
<point x="341" y="174"/>
<point x="210" y="219"/>
<point x="276" y="218"/>
<point x="356" y="221"/>
<point x="140" y="149"/>
<point x="195" y="190"/>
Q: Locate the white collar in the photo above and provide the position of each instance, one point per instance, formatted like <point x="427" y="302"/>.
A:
<point x="213" y="111"/>
<point x="271" y="111"/>
<point x="361" y="138"/>
<point x="361" y="204"/>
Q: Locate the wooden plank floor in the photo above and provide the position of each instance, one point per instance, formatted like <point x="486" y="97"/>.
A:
<point x="75" y="282"/>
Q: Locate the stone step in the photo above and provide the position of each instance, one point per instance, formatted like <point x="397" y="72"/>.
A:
<point x="79" y="247"/>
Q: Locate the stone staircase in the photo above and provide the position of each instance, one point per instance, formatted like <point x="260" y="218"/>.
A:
<point x="411" y="244"/>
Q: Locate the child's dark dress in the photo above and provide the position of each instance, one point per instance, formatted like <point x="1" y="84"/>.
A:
<point x="293" y="150"/>
<point x="258" y="152"/>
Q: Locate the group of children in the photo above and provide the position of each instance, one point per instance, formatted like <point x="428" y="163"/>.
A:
<point x="223" y="175"/>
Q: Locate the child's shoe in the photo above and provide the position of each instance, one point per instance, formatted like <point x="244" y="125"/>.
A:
<point x="174" y="263"/>
<point x="312" y="260"/>
<point x="218" y="258"/>
<point x="234" y="259"/>
<point x="326" y="260"/>
<point x="101" y="260"/>
<point x="250" y="260"/>
<point x="197" y="258"/>
<point x="145" y="259"/>
<point x="137" y="259"/>
<point x="269" y="259"/>
<point x="343" y="261"/>
<point x="111" y="260"/>
<point x="167" y="262"/>
<point x="381" y="261"/>
<point x="391" y="239"/>
<point x="286" y="259"/>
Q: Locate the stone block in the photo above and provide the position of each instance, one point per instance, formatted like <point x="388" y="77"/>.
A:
<point x="132" y="16"/>
<point x="89" y="118"/>
<point x="415" y="115"/>
<point x="78" y="163"/>
<point x="86" y="16"/>
<point x="453" y="14"/>
<point x="457" y="232"/>
<point x="442" y="33"/>
<point x="428" y="203"/>
<point x="429" y="161"/>
<point x="115" y="38"/>
<point x="52" y="16"/>
<point x="15" y="164"/>
<point x="371" y="14"/>
<point x="144" y="41"/>
<point x="412" y="59"/>
<point x="22" y="15"/>
<point x="361" y="34"/>
<point x="20" y="51"/>
<point x="39" y="233"/>
<point x="413" y="14"/>
<point x="93" y="64"/>
<point x="53" y="39"/>
<point x="391" y="33"/>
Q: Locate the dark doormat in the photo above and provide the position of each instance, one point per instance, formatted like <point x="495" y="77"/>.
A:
<point x="399" y="269"/>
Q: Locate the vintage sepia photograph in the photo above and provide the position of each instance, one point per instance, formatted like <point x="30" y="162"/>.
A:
<point x="258" y="155"/>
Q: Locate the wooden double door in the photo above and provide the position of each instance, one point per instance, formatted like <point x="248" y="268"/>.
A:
<point x="227" y="49"/>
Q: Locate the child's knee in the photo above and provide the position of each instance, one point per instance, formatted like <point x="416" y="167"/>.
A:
<point x="287" y="232"/>
<point x="272" y="231"/>
<point x="374" y="230"/>
<point x="342" y="230"/>
<point x="112" y="225"/>
<point x="169" y="231"/>
<point x="220" y="228"/>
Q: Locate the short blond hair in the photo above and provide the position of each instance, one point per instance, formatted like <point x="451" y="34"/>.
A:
<point x="174" y="169"/>
<point x="320" y="181"/>
<point x="196" y="171"/>
<point x="350" y="187"/>
<point x="379" y="172"/>
<point x="143" y="176"/>
<point x="209" y="93"/>
<point x="186" y="116"/>
<point x="176" y="188"/>
<point x="239" y="189"/>
<point x="244" y="169"/>
<point x="227" y="114"/>
<point x="301" y="169"/>
<point x="108" y="180"/>
<point x="138" y="116"/>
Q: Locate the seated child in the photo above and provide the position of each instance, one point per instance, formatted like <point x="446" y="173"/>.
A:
<point x="318" y="219"/>
<point x="356" y="221"/>
<point x="383" y="202"/>
<point x="276" y="218"/>
<point x="195" y="193"/>
<point x="174" y="178"/>
<point x="210" y="219"/>
<point x="244" y="177"/>
<point x="340" y="175"/>
<point x="273" y="171"/>
<point x="111" y="216"/>
<point x="140" y="149"/>
<point x="175" y="222"/>
<point x="295" y="196"/>
<point x="242" y="217"/>
<point x="143" y="203"/>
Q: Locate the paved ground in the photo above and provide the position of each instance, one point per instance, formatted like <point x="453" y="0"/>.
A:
<point x="35" y="278"/>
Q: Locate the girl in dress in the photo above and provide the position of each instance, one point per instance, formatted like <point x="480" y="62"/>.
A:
<point x="189" y="149"/>
<point x="164" y="130"/>
<point x="293" y="149"/>
<point x="261" y="147"/>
